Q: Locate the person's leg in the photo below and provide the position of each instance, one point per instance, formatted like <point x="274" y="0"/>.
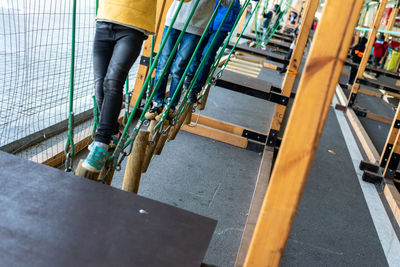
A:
<point x="376" y="61"/>
<point x="126" y="47"/>
<point x="128" y="43"/>
<point x="209" y="60"/>
<point x="197" y="60"/>
<point x="186" y="49"/>
<point x="103" y="48"/>
<point x="162" y="62"/>
<point x="353" y="73"/>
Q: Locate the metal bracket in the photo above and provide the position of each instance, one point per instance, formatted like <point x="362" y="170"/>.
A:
<point x="386" y="155"/>
<point x="397" y="124"/>
<point x="254" y="136"/>
<point x="352" y="99"/>
<point x="272" y="138"/>
<point x="278" y="99"/>
<point x="394" y="161"/>
<point x="145" y="61"/>
<point x="360" y="113"/>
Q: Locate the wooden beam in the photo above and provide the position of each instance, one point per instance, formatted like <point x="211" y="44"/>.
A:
<point x="293" y="68"/>
<point x="393" y="198"/>
<point x="270" y="66"/>
<point x="264" y="173"/>
<point x="367" y="52"/>
<point x="222" y="125"/>
<point x="391" y="21"/>
<point x="217" y="135"/>
<point x="245" y="66"/>
<point x="393" y="160"/>
<point x="257" y="65"/>
<point x="81" y="140"/>
<point x="370" y="92"/>
<point x="240" y="71"/>
<point x="394" y="130"/>
<point x="310" y="110"/>
<point x="363" y="137"/>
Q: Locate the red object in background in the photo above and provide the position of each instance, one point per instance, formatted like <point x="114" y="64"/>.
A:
<point x="394" y="44"/>
<point x="386" y="16"/>
<point x="315" y="25"/>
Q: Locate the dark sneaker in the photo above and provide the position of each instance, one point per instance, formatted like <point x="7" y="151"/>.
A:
<point x="192" y="99"/>
<point x="153" y="113"/>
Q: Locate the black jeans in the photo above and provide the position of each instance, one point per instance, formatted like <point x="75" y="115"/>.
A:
<point x="353" y="74"/>
<point x="115" y="49"/>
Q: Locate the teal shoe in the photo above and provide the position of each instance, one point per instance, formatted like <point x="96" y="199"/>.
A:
<point x="96" y="159"/>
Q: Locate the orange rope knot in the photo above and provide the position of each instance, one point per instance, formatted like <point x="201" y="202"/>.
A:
<point x="293" y="72"/>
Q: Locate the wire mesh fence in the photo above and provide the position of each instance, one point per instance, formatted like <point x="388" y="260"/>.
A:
<point x="35" y="56"/>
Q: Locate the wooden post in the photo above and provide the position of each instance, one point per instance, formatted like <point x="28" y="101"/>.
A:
<point x="80" y="171"/>
<point x="175" y="129"/>
<point x="188" y="118"/>
<point x="161" y="142"/>
<point x="151" y="146"/>
<point x="394" y="130"/>
<point x="317" y="86"/>
<point x="133" y="170"/>
<point x="371" y="40"/>
<point x="391" y="21"/>
<point x="162" y="9"/>
<point x="293" y="68"/>
<point x="203" y="101"/>
<point x="394" y="158"/>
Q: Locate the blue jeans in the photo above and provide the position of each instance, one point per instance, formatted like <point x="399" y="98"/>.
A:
<point x="202" y="79"/>
<point x="115" y="49"/>
<point x="182" y="57"/>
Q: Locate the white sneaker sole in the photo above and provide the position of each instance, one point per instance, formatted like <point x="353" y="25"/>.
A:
<point x="88" y="167"/>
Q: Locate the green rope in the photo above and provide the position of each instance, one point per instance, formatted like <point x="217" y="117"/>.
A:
<point x="271" y="31"/>
<point x="123" y="143"/>
<point x="127" y="99"/>
<point x="148" y="93"/>
<point x="221" y="52"/>
<point x="69" y="149"/>
<point x="201" y="66"/>
<point x="95" y="116"/>
<point x="234" y="47"/>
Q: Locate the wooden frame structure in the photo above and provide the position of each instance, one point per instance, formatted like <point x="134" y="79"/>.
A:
<point x="272" y="218"/>
<point x="371" y="40"/>
<point x="292" y="70"/>
<point x="310" y="109"/>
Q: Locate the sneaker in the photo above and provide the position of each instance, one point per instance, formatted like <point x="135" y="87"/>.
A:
<point x="96" y="159"/>
<point x="153" y="113"/>
<point x="168" y="119"/>
<point x="192" y="99"/>
<point x="114" y="141"/>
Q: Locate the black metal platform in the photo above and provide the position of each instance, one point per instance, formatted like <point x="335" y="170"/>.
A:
<point x="52" y="218"/>
<point x="278" y="44"/>
<point x="280" y="58"/>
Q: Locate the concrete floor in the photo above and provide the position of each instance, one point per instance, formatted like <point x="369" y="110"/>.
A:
<point x="333" y="226"/>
